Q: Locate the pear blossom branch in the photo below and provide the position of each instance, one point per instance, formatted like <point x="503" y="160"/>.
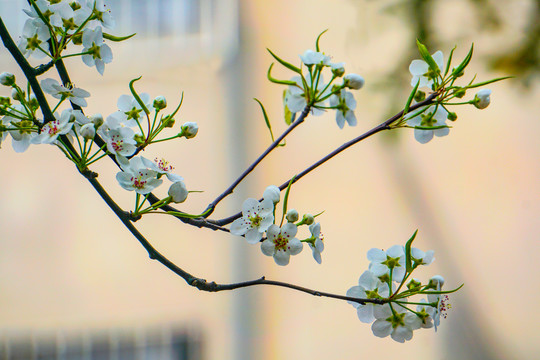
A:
<point x="386" y="125"/>
<point x="200" y="283"/>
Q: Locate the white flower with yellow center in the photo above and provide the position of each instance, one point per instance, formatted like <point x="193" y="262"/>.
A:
<point x="256" y="218"/>
<point x="281" y="243"/>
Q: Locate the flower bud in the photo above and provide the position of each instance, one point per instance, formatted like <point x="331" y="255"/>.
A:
<point x="7" y="79"/>
<point x="419" y="96"/>
<point x="459" y="93"/>
<point x="189" y="130"/>
<point x="168" y="121"/>
<point x="292" y="215"/>
<point x="272" y="192"/>
<point x="452" y="116"/>
<point x="436" y="282"/>
<point x="139" y="139"/>
<point x="338" y="69"/>
<point x="96" y="119"/>
<point x="5" y="101"/>
<point x="33" y="102"/>
<point x="88" y="131"/>
<point x="481" y="99"/>
<point x="178" y="192"/>
<point x="353" y="81"/>
<point x="308" y="219"/>
<point x="160" y="102"/>
<point x="17" y="96"/>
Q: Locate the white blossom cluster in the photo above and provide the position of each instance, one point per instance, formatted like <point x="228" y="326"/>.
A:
<point x="258" y="217"/>
<point x="78" y="22"/>
<point x="386" y="275"/>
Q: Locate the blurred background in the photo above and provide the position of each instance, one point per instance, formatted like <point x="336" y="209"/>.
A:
<point x="75" y="285"/>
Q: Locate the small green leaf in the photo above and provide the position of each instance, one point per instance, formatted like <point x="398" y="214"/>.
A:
<point x="449" y="61"/>
<point x="136" y="96"/>
<point x="410" y="99"/>
<point x="284" y="63"/>
<point x="266" y="120"/>
<point x="488" y="82"/>
<point x="286" y="198"/>
<point x="276" y="81"/>
<point x="459" y="69"/>
<point x="317" y="42"/>
<point x="408" y="257"/>
<point x="178" y="107"/>
<point x="117" y="38"/>
<point x="427" y="56"/>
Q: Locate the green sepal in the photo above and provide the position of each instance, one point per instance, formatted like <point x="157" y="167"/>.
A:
<point x="266" y="120"/>
<point x="317" y="41"/>
<point x="117" y="38"/>
<point x="488" y="82"/>
<point x="459" y="69"/>
<point x="427" y="56"/>
<point x="276" y="81"/>
<point x="136" y="96"/>
<point x="284" y="63"/>
<point x="449" y="61"/>
<point x="408" y="257"/>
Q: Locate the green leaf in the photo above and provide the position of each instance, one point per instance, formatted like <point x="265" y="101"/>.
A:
<point x="410" y="99"/>
<point x="288" y="114"/>
<point x="449" y="61"/>
<point x="427" y="56"/>
<point x="488" y="82"/>
<point x="117" y="38"/>
<point x="464" y="63"/>
<point x="178" y="107"/>
<point x="408" y="258"/>
<point x="317" y="42"/>
<point x="286" y="199"/>
<point x="266" y="118"/>
<point x="136" y="96"/>
<point x="276" y="81"/>
<point x="284" y="63"/>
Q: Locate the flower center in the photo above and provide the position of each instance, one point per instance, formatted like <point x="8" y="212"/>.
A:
<point x="281" y="242"/>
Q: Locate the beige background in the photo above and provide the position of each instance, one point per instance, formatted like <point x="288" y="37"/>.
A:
<point x="66" y="263"/>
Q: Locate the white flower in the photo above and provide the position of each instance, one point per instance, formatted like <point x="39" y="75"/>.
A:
<point x="429" y="119"/>
<point x="345" y="105"/>
<point x="21" y="130"/>
<point x="425" y="312"/>
<point x="272" y="192"/>
<point x="61" y="125"/>
<point x="281" y="243"/>
<point x="190" y="129"/>
<point x="422" y="258"/>
<point x="399" y="324"/>
<point x="101" y="12"/>
<point x="119" y="141"/>
<point x="369" y="287"/>
<point x="296" y="95"/>
<point x="34" y="39"/>
<point x="256" y="218"/>
<point x="310" y="57"/>
<point x="317" y="245"/>
<point x="99" y="53"/>
<point x="384" y="261"/>
<point x="481" y="99"/>
<point x="353" y="81"/>
<point x="136" y="176"/>
<point x="338" y="69"/>
<point x="59" y="91"/>
<point x="420" y="70"/>
<point x="163" y="167"/>
<point x="50" y="11"/>
<point x="178" y="192"/>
